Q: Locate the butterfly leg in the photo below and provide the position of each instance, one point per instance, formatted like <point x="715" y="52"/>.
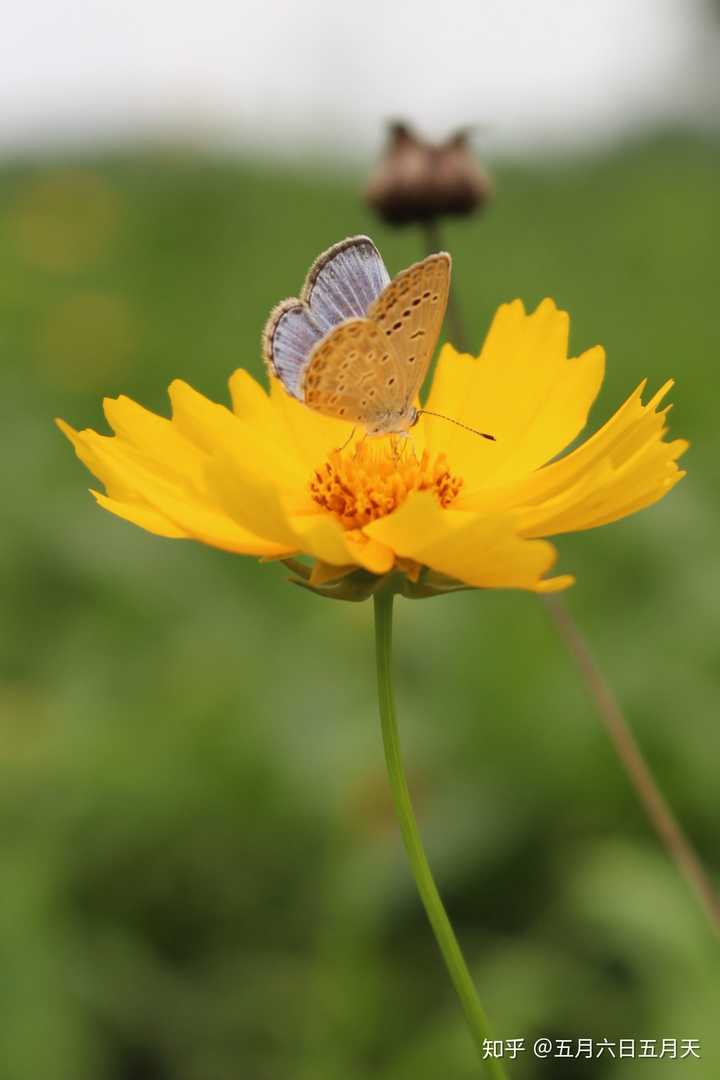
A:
<point x="347" y="441"/>
<point x="398" y="441"/>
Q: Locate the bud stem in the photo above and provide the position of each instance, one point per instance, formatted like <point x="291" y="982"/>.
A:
<point x="433" y="243"/>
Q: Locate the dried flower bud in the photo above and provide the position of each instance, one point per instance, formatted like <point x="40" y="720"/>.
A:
<point x="419" y="181"/>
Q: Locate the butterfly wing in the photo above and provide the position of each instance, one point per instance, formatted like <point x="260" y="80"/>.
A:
<point x="344" y="281"/>
<point x="353" y="375"/>
<point x="341" y="284"/>
<point x="410" y="312"/>
<point x="289" y="337"/>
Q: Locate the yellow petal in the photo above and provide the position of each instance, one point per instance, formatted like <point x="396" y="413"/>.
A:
<point x="257" y="506"/>
<point x="248" y="498"/>
<point x="144" y="516"/>
<point x="321" y="536"/>
<point x="131" y="480"/>
<point x="250" y="402"/>
<point x="484" y="551"/>
<point x="106" y="470"/>
<point x="624" y="467"/>
<point x="369" y="552"/>
<point x="555" y="584"/>
<point x="522" y="389"/>
<point x="216" y="430"/>
<point x="311" y="436"/>
<point x="155" y="437"/>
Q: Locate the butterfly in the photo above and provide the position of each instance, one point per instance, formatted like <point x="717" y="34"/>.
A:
<point x="356" y="345"/>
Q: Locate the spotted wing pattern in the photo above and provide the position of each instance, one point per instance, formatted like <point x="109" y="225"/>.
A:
<point x="341" y="284"/>
<point x="354" y="375"/>
<point x="409" y="312"/>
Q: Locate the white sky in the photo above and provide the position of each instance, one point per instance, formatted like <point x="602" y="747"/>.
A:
<point x="327" y="74"/>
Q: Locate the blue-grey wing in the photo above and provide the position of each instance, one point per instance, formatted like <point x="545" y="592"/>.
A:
<point x="344" y="281"/>
<point x="341" y="284"/>
<point x="288" y="339"/>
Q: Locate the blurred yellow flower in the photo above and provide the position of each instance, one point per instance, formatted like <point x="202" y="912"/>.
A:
<point x="267" y="478"/>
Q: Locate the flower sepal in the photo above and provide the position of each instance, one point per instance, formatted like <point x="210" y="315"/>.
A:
<point x="360" y="585"/>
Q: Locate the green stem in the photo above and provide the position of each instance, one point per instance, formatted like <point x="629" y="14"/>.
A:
<point x="444" y="934"/>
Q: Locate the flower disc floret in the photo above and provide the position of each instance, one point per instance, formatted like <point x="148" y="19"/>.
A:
<point x="368" y="484"/>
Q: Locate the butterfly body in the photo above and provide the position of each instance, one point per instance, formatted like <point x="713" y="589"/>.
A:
<point x="355" y="345"/>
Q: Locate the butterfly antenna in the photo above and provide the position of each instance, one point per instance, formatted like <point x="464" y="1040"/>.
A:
<point x="440" y="416"/>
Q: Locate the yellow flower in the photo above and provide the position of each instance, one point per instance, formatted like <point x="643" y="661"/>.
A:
<point x="268" y="478"/>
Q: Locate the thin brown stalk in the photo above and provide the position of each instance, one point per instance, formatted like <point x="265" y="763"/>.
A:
<point x="655" y="805"/>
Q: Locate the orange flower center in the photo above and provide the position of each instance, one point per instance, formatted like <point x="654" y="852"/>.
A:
<point x="366" y="485"/>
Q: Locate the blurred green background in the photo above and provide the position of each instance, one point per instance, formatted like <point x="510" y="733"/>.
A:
<point x="200" y="874"/>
